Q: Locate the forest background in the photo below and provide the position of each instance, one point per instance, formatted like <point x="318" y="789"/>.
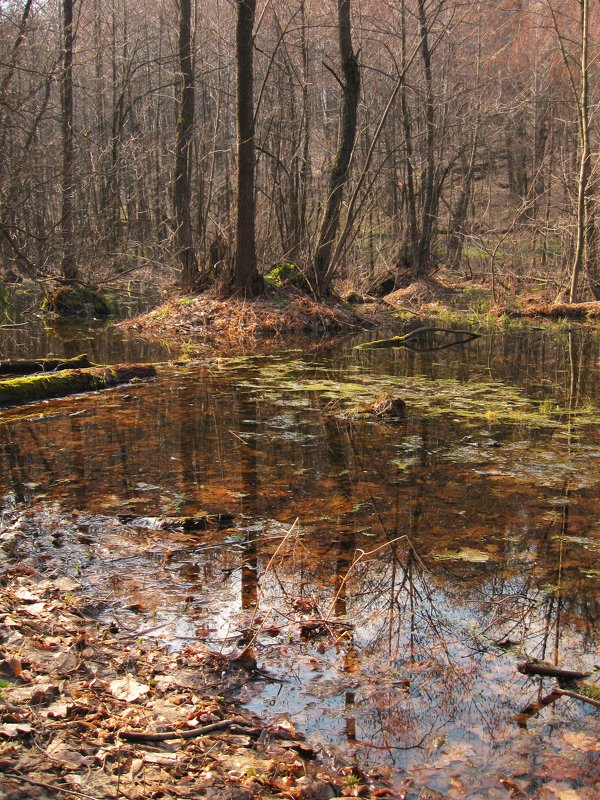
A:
<point x="188" y="137"/>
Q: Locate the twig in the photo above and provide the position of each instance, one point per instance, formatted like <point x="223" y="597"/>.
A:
<point x="19" y="777"/>
<point x="267" y="570"/>
<point x="235" y="725"/>
<point x="358" y="559"/>
<point x="577" y="696"/>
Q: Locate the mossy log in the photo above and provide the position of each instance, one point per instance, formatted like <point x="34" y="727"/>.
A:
<point x="70" y="381"/>
<point x="31" y="366"/>
<point x="410" y="340"/>
<point x="77" y="300"/>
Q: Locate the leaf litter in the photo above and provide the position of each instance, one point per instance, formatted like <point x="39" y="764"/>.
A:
<point x="88" y="714"/>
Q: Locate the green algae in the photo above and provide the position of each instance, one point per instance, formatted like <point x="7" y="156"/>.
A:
<point x="485" y="401"/>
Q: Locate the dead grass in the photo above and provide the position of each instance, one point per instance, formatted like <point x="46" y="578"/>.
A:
<point x="236" y="324"/>
<point x="419" y="293"/>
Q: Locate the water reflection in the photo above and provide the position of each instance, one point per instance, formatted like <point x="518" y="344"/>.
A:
<point x="392" y="573"/>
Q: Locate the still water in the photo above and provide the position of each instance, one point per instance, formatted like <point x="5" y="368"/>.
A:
<point x="392" y="572"/>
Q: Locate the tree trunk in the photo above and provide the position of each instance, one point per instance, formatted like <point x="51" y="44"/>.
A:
<point x="585" y="165"/>
<point x="182" y="188"/>
<point x="246" y="279"/>
<point x="69" y="263"/>
<point x="422" y="258"/>
<point x="323" y="273"/>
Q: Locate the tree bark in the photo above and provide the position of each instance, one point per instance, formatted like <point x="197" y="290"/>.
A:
<point x="323" y="273"/>
<point x="69" y="263"/>
<point x="182" y="188"/>
<point x="585" y="166"/>
<point x="246" y="279"/>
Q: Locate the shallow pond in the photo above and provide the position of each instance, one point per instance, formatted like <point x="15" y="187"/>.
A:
<point x="391" y="573"/>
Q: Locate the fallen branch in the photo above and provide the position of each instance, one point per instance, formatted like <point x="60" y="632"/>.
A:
<point x="17" y="776"/>
<point x="237" y="725"/>
<point x="550" y="671"/>
<point x="408" y="340"/>
<point x="534" y="708"/>
<point x="577" y="696"/>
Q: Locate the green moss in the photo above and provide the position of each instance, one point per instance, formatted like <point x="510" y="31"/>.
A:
<point x="39" y="387"/>
<point x="77" y="300"/>
<point x="589" y="690"/>
<point x="284" y="274"/>
<point x="69" y="381"/>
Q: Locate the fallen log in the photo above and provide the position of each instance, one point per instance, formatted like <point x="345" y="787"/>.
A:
<point x="70" y="381"/>
<point x="550" y="671"/>
<point x="31" y="366"/>
<point x="410" y="340"/>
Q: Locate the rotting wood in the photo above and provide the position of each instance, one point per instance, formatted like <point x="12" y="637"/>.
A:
<point x="70" y="381"/>
<point x="408" y="340"/>
<point x="31" y="366"/>
<point x="550" y="671"/>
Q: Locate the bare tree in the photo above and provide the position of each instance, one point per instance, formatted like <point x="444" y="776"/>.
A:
<point x="68" y="263"/>
<point x="350" y="87"/>
<point x="182" y="186"/>
<point x="246" y="280"/>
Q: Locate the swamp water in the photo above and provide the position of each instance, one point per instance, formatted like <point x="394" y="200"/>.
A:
<point x="438" y="549"/>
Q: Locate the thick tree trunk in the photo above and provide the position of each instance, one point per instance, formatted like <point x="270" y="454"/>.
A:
<point x="182" y="189"/>
<point x="246" y="278"/>
<point x="69" y="263"/>
<point x="330" y="221"/>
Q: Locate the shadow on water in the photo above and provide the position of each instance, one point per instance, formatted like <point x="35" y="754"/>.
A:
<point x="391" y="573"/>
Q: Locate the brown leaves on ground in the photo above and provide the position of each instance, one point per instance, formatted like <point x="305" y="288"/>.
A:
<point x="71" y="688"/>
<point x="235" y="324"/>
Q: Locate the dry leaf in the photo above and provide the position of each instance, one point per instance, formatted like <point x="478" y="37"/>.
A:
<point x="58" y="751"/>
<point x="128" y="689"/>
<point x="59" y="710"/>
<point x="11" y="729"/>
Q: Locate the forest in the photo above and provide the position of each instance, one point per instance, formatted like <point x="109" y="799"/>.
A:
<point x="357" y="141"/>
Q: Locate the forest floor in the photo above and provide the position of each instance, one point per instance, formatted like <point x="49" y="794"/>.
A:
<point x="89" y="711"/>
